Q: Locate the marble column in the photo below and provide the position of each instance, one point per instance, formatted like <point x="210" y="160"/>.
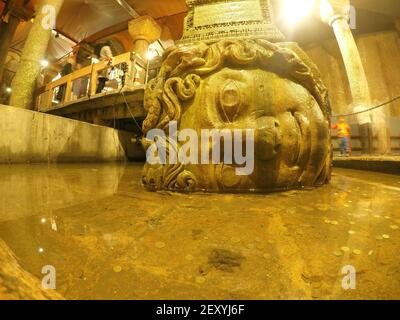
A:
<point x="144" y="31"/>
<point x="336" y="14"/>
<point x="34" y="51"/>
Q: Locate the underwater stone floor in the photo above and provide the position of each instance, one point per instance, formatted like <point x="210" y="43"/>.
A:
<point x="108" y="238"/>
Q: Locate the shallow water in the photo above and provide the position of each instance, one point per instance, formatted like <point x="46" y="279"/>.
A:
<point x="109" y="238"/>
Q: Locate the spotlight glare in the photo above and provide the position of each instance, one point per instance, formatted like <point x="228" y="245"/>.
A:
<point x="326" y="10"/>
<point x="296" y="10"/>
<point x="44" y="63"/>
<point x="8" y="90"/>
<point x="151" y="54"/>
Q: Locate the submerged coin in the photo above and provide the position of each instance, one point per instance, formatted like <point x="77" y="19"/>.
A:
<point x="235" y="240"/>
<point x="345" y="249"/>
<point x="200" y="280"/>
<point x="337" y="253"/>
<point x="189" y="257"/>
<point x="160" y="245"/>
<point x="385" y="236"/>
<point x="357" y="252"/>
<point x="117" y="269"/>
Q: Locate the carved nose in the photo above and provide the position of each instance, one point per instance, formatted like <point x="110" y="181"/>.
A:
<point x="268" y="138"/>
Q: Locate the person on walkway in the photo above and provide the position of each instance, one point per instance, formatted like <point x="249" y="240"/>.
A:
<point x="66" y="70"/>
<point x="104" y="53"/>
<point x="344" y="135"/>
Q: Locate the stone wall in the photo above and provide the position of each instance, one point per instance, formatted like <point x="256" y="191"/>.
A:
<point x="33" y="137"/>
<point x="380" y="53"/>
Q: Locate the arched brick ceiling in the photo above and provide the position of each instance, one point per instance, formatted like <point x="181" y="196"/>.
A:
<point x="82" y="19"/>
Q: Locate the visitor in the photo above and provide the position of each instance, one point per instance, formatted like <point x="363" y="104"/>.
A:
<point x="104" y="53"/>
<point x="66" y="70"/>
<point x="344" y="135"/>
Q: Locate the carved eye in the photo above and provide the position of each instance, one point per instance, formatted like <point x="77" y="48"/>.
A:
<point x="230" y="100"/>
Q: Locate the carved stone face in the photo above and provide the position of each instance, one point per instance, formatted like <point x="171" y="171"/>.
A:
<point x="272" y="90"/>
<point x="291" y="132"/>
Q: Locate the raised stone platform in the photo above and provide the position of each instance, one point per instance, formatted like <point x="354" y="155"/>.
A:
<point x="380" y="163"/>
<point x="34" y="137"/>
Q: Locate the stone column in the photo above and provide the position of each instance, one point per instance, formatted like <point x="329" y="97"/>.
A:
<point x="336" y="14"/>
<point x="34" y="51"/>
<point x="144" y="31"/>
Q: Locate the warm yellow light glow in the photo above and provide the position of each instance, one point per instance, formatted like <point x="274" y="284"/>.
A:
<point x="296" y="10"/>
<point x="8" y="90"/>
<point x="151" y="54"/>
<point x="44" y="63"/>
<point x="326" y="10"/>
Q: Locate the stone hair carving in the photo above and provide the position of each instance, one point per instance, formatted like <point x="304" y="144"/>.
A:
<point x="173" y="92"/>
<point x="184" y="66"/>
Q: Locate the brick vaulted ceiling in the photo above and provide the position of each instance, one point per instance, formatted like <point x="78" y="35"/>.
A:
<point x="94" y="19"/>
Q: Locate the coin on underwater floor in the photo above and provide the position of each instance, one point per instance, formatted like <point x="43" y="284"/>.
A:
<point x="327" y="221"/>
<point x="335" y="223"/>
<point x="337" y="253"/>
<point x="235" y="239"/>
<point x="357" y="252"/>
<point x="117" y="269"/>
<point x="345" y="249"/>
<point x="200" y="280"/>
<point x="160" y="245"/>
<point x="351" y="232"/>
<point x="385" y="236"/>
<point x="189" y="257"/>
<point x="394" y="227"/>
<point x="371" y="252"/>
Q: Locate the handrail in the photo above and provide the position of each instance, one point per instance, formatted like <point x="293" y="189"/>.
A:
<point x="134" y="65"/>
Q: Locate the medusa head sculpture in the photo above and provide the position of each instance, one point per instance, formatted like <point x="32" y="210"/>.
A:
<point x="253" y="85"/>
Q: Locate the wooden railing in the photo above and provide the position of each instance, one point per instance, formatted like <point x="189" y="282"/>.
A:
<point x="82" y="84"/>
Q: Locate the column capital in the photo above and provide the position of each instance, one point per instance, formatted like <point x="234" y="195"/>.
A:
<point x="144" y="28"/>
<point x="332" y="10"/>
